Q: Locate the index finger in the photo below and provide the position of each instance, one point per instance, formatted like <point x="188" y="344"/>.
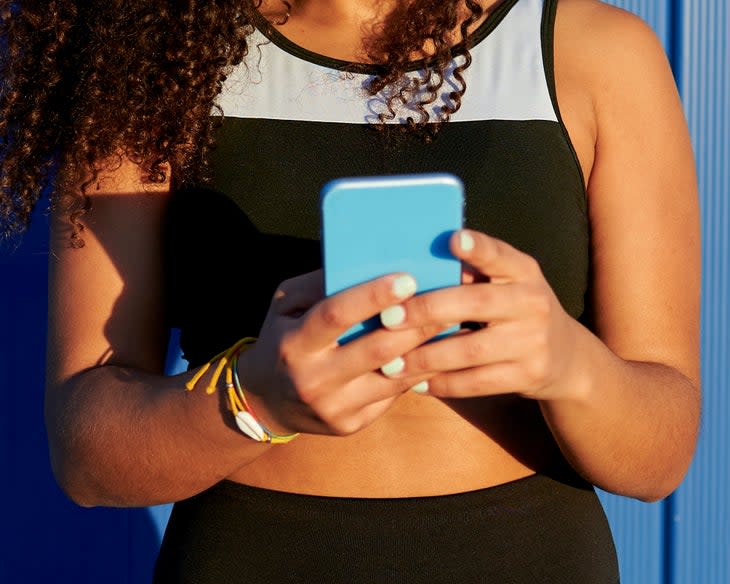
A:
<point x="299" y="294"/>
<point x="327" y="320"/>
<point x="493" y="257"/>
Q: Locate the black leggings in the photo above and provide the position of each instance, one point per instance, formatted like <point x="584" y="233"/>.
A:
<point x="533" y="530"/>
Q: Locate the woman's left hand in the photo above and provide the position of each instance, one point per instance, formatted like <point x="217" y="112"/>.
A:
<point x="525" y="342"/>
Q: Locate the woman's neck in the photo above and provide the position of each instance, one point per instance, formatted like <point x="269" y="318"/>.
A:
<point x="335" y="28"/>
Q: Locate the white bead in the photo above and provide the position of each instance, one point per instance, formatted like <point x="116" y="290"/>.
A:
<point x="249" y="426"/>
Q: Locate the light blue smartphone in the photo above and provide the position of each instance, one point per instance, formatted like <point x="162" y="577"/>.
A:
<point x="372" y="226"/>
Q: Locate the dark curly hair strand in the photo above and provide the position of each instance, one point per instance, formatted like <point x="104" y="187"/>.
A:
<point x="83" y="83"/>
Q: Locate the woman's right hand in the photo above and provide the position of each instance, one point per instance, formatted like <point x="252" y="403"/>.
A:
<point x="301" y="380"/>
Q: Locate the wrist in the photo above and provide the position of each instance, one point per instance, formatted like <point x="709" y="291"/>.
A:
<point x="226" y="367"/>
<point x="577" y="382"/>
<point x="251" y="411"/>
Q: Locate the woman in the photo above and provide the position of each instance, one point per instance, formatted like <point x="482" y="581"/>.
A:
<point x="469" y="460"/>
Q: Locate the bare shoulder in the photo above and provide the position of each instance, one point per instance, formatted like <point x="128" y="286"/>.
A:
<point x="610" y="45"/>
<point x="612" y="75"/>
<point x="603" y="21"/>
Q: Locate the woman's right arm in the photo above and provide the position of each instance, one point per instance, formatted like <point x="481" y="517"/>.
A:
<point x="121" y="433"/>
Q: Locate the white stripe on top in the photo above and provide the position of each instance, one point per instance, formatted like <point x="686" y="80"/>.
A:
<point x="506" y="81"/>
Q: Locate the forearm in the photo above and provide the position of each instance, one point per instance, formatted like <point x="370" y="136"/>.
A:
<point x="631" y="427"/>
<point x="123" y="437"/>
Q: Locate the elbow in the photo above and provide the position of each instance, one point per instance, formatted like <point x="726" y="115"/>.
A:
<point x="70" y="458"/>
<point x="70" y="478"/>
<point x="656" y="477"/>
<point x="645" y="492"/>
<point x="654" y="495"/>
<point x="663" y="489"/>
<point x="662" y="483"/>
<point x="72" y="492"/>
<point x="677" y="462"/>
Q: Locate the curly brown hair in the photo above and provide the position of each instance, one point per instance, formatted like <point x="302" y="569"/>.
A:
<point x="86" y="82"/>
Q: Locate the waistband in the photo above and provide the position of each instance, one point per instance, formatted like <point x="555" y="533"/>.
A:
<point x="508" y="497"/>
<point x="536" y="529"/>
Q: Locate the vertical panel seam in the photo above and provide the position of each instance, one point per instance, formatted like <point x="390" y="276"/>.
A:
<point x="675" y="40"/>
<point x="668" y="540"/>
<point x="675" y="49"/>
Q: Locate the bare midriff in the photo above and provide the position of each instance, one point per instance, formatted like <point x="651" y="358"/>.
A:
<point x="422" y="446"/>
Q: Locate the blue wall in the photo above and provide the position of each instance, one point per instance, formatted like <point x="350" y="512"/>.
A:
<point x="686" y="539"/>
<point x="701" y="512"/>
<point x="682" y="540"/>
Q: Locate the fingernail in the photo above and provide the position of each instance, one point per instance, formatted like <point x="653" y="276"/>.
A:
<point x="420" y="388"/>
<point x="394" y="367"/>
<point x="393" y="315"/>
<point x="404" y="286"/>
<point x="466" y="241"/>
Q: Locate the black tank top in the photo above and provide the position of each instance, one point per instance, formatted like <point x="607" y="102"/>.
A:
<point x="295" y="119"/>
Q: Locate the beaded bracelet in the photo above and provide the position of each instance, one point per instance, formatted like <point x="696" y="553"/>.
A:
<point x="244" y="415"/>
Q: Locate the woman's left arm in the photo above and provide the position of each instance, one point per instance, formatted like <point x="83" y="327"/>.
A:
<point x="635" y="427"/>
<point x="623" y="401"/>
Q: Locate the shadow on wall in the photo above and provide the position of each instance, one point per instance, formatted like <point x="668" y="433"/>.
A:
<point x="50" y="538"/>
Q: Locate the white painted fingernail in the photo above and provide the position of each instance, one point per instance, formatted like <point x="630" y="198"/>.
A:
<point x="420" y="388"/>
<point x="394" y="367"/>
<point x="404" y="286"/>
<point x="393" y="315"/>
<point x="466" y="241"/>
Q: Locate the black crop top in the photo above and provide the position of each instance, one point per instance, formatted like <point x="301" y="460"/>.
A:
<point x="295" y="119"/>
